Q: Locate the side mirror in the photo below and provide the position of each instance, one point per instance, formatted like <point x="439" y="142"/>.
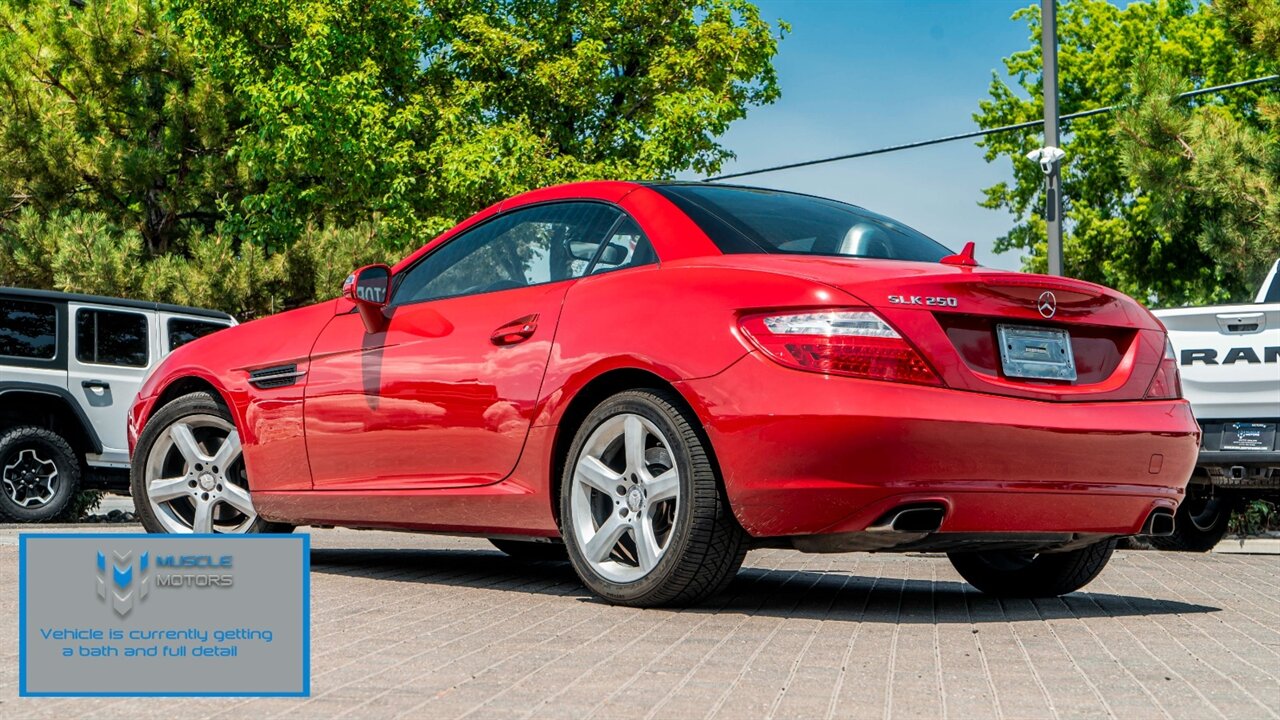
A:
<point x="370" y="289"/>
<point x="613" y="254"/>
<point x="583" y="250"/>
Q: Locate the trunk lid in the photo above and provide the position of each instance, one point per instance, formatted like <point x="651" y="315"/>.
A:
<point x="951" y="314"/>
<point x="953" y="318"/>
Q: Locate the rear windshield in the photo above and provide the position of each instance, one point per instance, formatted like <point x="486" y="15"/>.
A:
<point x="749" y="220"/>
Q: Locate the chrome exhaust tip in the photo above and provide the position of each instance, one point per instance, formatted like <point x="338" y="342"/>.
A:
<point x="914" y="520"/>
<point x="1159" y="523"/>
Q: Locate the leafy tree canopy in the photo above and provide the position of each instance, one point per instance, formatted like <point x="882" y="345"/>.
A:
<point x="360" y="109"/>
<point x="1213" y="175"/>
<point x="1126" y="226"/>
<point x="104" y="108"/>
<point x="180" y="138"/>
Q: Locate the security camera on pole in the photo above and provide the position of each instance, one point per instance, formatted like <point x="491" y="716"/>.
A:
<point x="1050" y="158"/>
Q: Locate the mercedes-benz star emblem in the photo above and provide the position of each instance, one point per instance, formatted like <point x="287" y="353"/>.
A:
<point x="1047" y="304"/>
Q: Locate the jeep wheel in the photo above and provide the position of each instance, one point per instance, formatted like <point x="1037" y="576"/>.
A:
<point x="188" y="472"/>
<point x="39" y="474"/>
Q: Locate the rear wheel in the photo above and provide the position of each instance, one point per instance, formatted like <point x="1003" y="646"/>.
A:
<point x="39" y="474"/>
<point x="1200" y="523"/>
<point x="1032" y="575"/>
<point x="643" y="516"/>
<point x="189" y="475"/>
<point x="532" y="551"/>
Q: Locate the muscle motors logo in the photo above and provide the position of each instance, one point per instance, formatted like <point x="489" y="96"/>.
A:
<point x="125" y="580"/>
<point x="118" y="585"/>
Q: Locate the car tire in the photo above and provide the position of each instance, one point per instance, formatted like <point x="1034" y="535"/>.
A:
<point x="532" y="551"/>
<point x="219" y="494"/>
<point x="39" y="474"/>
<point x="640" y="469"/>
<point x="1029" y="575"/>
<point x="1200" y="522"/>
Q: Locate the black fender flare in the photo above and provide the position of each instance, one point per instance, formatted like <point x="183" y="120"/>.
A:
<point x="95" y="444"/>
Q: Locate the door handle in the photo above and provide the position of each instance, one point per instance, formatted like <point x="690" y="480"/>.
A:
<point x="95" y="385"/>
<point x="516" y="331"/>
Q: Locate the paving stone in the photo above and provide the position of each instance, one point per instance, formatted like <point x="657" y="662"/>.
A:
<point x="421" y="626"/>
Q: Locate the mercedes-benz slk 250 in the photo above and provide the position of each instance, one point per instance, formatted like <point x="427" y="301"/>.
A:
<point x="651" y="379"/>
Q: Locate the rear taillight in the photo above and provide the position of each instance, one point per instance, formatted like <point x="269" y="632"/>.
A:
<point x="857" y="343"/>
<point x="1166" y="385"/>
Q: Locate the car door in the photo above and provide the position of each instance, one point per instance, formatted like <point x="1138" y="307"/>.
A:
<point x="444" y="395"/>
<point x="111" y="351"/>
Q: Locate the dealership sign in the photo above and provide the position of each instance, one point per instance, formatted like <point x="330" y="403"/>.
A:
<point x="133" y="614"/>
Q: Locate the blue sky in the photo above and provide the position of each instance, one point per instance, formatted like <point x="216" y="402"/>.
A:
<point x="862" y="74"/>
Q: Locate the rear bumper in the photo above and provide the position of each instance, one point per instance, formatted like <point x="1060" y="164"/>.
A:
<point x="1227" y="458"/>
<point x="804" y="454"/>
<point x="1213" y="455"/>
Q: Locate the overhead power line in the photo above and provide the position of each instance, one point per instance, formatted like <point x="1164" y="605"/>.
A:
<point x="978" y="133"/>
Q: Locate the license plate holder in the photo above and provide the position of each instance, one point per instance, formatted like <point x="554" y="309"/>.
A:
<point x="1248" y="436"/>
<point x="1039" y="353"/>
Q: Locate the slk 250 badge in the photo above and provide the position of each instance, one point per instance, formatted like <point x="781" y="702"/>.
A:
<point x="929" y="300"/>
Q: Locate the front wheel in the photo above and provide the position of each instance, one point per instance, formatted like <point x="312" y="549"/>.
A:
<point x="1200" y="523"/>
<point x="188" y="472"/>
<point x="1007" y="573"/>
<point x="643" y="515"/>
<point x="39" y="474"/>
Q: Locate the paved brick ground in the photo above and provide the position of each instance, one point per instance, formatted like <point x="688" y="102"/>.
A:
<point x="419" y="626"/>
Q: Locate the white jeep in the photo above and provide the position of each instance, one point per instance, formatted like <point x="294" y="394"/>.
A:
<point x="1229" y="357"/>
<point x="70" y="366"/>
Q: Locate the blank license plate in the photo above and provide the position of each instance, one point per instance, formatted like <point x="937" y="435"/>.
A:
<point x="1036" y="352"/>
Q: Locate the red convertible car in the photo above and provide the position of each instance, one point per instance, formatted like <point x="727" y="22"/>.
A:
<point x="654" y="378"/>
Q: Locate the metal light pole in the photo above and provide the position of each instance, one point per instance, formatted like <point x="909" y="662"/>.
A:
<point x="1053" y="200"/>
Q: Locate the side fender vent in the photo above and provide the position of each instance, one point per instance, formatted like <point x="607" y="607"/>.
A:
<point x="275" y="377"/>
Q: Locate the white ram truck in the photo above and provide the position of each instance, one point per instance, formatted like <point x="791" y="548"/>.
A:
<point x="1229" y="357"/>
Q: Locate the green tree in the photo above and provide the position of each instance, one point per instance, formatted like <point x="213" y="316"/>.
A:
<point x="417" y="114"/>
<point x="246" y="155"/>
<point x="1213" y="175"/>
<point x="1113" y="234"/>
<point x="104" y="109"/>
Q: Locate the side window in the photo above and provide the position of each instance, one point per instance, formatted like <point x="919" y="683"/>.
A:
<point x="28" y="329"/>
<point x="541" y="244"/>
<point x="108" y="337"/>
<point x="627" y="247"/>
<point x="182" y="331"/>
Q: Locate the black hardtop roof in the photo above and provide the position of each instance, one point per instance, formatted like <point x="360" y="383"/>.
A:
<point x="736" y="186"/>
<point x="55" y="296"/>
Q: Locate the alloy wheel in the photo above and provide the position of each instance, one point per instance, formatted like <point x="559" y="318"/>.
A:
<point x="30" y="479"/>
<point x="195" y="478"/>
<point x="625" y="498"/>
